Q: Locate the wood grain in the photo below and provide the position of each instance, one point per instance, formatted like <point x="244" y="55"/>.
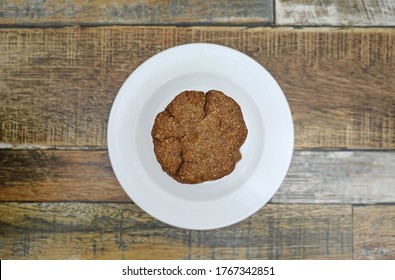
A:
<point x="96" y="12"/>
<point x="57" y="85"/>
<point x="123" y="231"/>
<point x="335" y="12"/>
<point x="314" y="177"/>
<point x="374" y="232"/>
<point x="33" y="175"/>
<point x="339" y="177"/>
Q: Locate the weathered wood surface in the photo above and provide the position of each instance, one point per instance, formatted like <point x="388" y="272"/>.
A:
<point x="57" y="85"/>
<point x="374" y="232"/>
<point x="96" y="12"/>
<point x="58" y="176"/>
<point x="335" y="12"/>
<point x="314" y="177"/>
<point x="123" y="231"/>
<point x="339" y="177"/>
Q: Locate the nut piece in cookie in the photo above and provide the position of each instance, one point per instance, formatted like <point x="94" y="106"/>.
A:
<point x="198" y="136"/>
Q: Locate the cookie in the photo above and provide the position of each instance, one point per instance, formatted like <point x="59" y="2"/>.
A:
<point x="198" y="136"/>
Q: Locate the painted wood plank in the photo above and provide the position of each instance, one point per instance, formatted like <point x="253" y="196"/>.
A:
<point x="335" y="12"/>
<point x="96" y="12"/>
<point x="313" y="177"/>
<point x="339" y="177"/>
<point x="57" y="85"/>
<point x="374" y="232"/>
<point x="123" y="231"/>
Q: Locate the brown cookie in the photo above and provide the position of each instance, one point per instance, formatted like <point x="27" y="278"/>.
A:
<point x="198" y="136"/>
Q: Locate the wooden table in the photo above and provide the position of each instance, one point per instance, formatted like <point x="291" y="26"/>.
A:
<point x="62" y="63"/>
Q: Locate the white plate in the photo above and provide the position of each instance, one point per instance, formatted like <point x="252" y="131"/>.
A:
<point x="266" y="153"/>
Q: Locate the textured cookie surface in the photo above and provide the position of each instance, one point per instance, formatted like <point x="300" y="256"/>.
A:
<point x="198" y="136"/>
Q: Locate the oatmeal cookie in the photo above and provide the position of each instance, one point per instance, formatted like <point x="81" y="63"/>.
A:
<point x="198" y="136"/>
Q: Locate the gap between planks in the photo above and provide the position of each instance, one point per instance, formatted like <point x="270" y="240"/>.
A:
<point x="27" y="146"/>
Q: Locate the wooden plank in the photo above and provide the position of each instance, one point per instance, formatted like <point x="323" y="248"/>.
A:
<point x="339" y="177"/>
<point x="57" y="85"/>
<point x="123" y="231"/>
<point x="96" y="12"/>
<point x="30" y="175"/>
<point x="374" y="232"/>
<point x="335" y="12"/>
<point x="314" y="177"/>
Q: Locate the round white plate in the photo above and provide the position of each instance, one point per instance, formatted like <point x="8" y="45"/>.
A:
<point x="266" y="153"/>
